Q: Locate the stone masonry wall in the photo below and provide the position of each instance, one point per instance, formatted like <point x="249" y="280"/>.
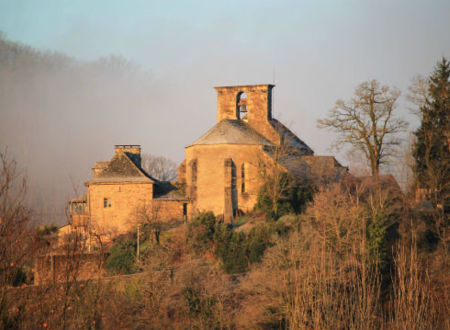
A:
<point x="124" y="199"/>
<point x="259" y="106"/>
<point x="53" y="267"/>
<point x="171" y="210"/>
<point x="210" y="191"/>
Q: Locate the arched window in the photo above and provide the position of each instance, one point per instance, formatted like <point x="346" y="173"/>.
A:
<point x="241" y="106"/>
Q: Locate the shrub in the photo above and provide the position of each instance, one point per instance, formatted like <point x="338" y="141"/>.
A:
<point x="201" y="232"/>
<point x="122" y="258"/>
<point x="201" y="307"/>
<point x="377" y="237"/>
<point x="238" y="250"/>
<point x="231" y="249"/>
<point x="134" y="289"/>
<point x="293" y="200"/>
<point x="258" y="240"/>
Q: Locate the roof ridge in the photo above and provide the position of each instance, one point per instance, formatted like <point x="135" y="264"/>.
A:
<point x="286" y="132"/>
<point x="139" y="169"/>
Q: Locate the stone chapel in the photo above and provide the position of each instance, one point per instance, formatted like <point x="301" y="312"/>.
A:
<point x="220" y="172"/>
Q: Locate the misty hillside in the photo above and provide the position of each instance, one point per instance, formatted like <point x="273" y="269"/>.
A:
<point x="60" y="115"/>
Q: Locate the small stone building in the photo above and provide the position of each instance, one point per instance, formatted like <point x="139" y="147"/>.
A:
<point x="118" y="189"/>
<point x="220" y="173"/>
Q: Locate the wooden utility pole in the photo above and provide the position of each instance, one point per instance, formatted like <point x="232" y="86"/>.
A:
<point x="137" y="248"/>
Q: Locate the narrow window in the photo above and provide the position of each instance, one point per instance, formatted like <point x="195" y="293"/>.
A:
<point x="233" y="177"/>
<point x="193" y="189"/>
<point x="241" y="106"/>
<point x="106" y="202"/>
<point x="243" y="178"/>
<point x="185" y="211"/>
<point x="48" y="263"/>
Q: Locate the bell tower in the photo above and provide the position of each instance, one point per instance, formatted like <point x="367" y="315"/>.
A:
<point x="249" y="103"/>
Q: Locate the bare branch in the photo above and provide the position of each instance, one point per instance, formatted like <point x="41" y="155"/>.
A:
<point x="159" y="167"/>
<point x="367" y="123"/>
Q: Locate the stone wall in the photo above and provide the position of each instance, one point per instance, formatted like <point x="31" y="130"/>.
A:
<point x="259" y="107"/>
<point x="123" y="198"/>
<point x="169" y="210"/>
<point x="119" y="217"/>
<point x="210" y="179"/>
<point x="60" y="267"/>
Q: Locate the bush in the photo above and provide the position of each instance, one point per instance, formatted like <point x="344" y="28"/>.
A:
<point x="377" y="237"/>
<point x="258" y="240"/>
<point x="122" y="258"/>
<point x="293" y="200"/>
<point x="201" y="307"/>
<point x="238" y="250"/>
<point x="231" y="249"/>
<point x="201" y="232"/>
<point x="133" y="290"/>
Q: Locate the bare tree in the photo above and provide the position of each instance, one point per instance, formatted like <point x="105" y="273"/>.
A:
<point x="367" y="122"/>
<point x="159" y="167"/>
<point x="147" y="214"/>
<point x="16" y="232"/>
<point x="276" y="181"/>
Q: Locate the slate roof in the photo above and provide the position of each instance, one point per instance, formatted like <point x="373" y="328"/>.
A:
<point x="385" y="180"/>
<point x="169" y="192"/>
<point x="309" y="167"/>
<point x="121" y="168"/>
<point x="230" y="131"/>
<point x="290" y="138"/>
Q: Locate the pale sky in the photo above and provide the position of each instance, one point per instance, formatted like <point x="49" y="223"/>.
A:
<point x="314" y="51"/>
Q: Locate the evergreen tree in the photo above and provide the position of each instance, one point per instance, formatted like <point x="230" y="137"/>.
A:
<point x="431" y="151"/>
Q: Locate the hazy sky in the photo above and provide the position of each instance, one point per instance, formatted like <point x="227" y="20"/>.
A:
<point x="314" y="51"/>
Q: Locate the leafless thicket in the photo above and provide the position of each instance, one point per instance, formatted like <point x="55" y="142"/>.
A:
<point x="320" y="276"/>
<point x="159" y="167"/>
<point x="16" y="232"/>
<point x="323" y="276"/>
